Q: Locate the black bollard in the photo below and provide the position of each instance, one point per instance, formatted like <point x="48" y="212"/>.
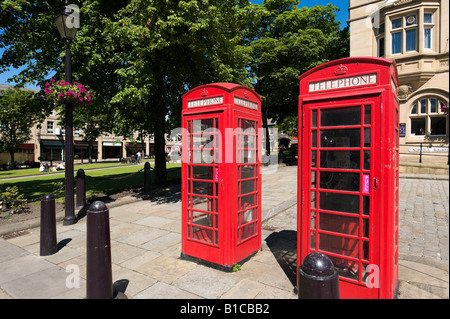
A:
<point x="48" y="226"/>
<point x="317" y="278"/>
<point x="147" y="177"/>
<point x="81" y="189"/>
<point x="99" y="283"/>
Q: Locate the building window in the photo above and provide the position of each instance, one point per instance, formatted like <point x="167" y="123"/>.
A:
<point x="380" y="40"/>
<point x="428" y="31"/>
<point x="396" y="36"/>
<point x="427" y="118"/>
<point x="50" y="127"/>
<point x="404" y="34"/>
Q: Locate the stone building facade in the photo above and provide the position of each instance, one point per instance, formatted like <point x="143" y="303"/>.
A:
<point x="415" y="33"/>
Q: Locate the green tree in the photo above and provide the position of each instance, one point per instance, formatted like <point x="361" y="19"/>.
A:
<point x="174" y="46"/>
<point x="19" y="111"/>
<point x="286" y="41"/>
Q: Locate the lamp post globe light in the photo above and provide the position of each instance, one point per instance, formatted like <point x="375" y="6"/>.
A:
<point x="68" y="24"/>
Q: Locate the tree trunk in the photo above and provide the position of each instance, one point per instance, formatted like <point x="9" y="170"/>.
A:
<point x="266" y="128"/>
<point x="11" y="154"/>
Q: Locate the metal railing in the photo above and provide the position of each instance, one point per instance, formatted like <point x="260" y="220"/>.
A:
<point x="423" y="149"/>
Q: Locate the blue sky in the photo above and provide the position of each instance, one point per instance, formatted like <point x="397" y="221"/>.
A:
<point x="341" y="16"/>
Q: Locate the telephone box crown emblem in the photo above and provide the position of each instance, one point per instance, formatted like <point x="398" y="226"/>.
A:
<point x="341" y="70"/>
<point x="204" y="92"/>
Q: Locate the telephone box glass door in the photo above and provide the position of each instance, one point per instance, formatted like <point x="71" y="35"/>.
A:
<point x="203" y="155"/>
<point x="339" y="218"/>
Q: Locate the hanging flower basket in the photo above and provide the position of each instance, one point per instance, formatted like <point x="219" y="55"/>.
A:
<point x="64" y="92"/>
<point x="444" y="108"/>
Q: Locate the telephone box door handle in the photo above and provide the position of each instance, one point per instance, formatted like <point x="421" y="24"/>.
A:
<point x="375" y="183"/>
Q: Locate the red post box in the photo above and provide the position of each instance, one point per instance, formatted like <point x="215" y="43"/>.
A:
<point x="348" y="176"/>
<point x="221" y="178"/>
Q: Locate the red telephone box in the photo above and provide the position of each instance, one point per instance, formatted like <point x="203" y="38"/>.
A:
<point x="348" y="176"/>
<point x="221" y="178"/>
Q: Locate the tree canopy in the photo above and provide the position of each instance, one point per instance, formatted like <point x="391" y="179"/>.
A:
<point x="140" y="56"/>
<point x="19" y="111"/>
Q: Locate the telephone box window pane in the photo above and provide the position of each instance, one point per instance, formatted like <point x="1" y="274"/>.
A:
<point x="367" y="160"/>
<point x="313" y="179"/>
<point x="313" y="200"/>
<point x="366" y="205"/>
<point x="314" y="118"/>
<point x="202" y="188"/>
<point x="346" y="268"/>
<point x="341" y="116"/>
<point x="247" y="187"/>
<point x="248" y="216"/>
<point x="202" y="172"/>
<point x="367" y="114"/>
<point x="314" y="138"/>
<point x="339" y="181"/>
<point x="340" y="138"/>
<point x="247" y="201"/>
<point x="340" y="159"/>
<point x="339" y="224"/>
<point x="202" y="234"/>
<point x="313" y="220"/>
<point x="438" y="126"/>
<point x="312" y="240"/>
<point x="200" y="126"/>
<point x="339" y="245"/>
<point x="313" y="158"/>
<point x="248" y="125"/>
<point x="345" y="203"/>
<point x="418" y="126"/>
<point x="366" y="228"/>
<point x="367" y="137"/>
<point x="248" y="231"/>
<point x="247" y="171"/>
<point x="202" y="219"/>
<point x="248" y="141"/>
<point x="202" y="203"/>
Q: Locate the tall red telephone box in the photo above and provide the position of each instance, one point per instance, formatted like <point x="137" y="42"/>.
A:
<point x="221" y="178"/>
<point x="348" y="174"/>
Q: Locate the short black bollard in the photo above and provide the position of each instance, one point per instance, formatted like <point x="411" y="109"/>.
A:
<point x="147" y="177"/>
<point x="317" y="278"/>
<point x="48" y="226"/>
<point x="99" y="283"/>
<point x="81" y="189"/>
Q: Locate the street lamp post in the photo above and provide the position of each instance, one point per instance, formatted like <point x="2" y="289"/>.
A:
<point x="67" y="24"/>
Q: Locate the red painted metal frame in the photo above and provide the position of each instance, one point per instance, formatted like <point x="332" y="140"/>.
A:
<point x="227" y="247"/>
<point x="374" y="235"/>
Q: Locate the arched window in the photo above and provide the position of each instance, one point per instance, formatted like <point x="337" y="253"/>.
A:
<point x="427" y="117"/>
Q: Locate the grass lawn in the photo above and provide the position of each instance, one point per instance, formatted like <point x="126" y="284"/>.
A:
<point x="104" y="181"/>
<point x="35" y="171"/>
